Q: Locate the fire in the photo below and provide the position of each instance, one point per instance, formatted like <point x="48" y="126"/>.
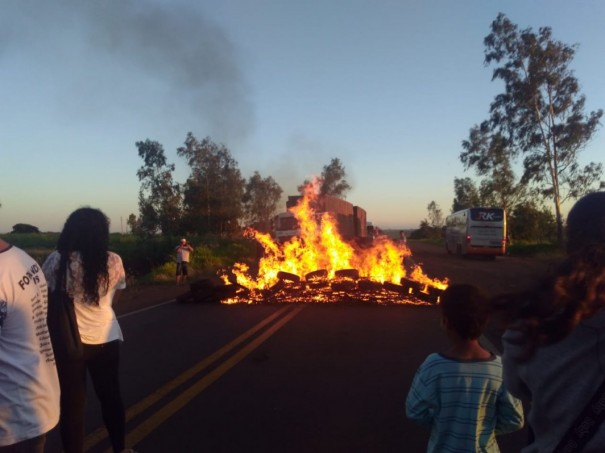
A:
<point x="320" y="254"/>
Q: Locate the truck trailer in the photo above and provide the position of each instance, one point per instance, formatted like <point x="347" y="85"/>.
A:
<point x="350" y="219"/>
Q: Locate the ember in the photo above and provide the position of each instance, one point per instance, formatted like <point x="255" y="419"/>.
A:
<point x="319" y="266"/>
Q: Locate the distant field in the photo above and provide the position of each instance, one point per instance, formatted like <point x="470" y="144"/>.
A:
<point x="38" y="245"/>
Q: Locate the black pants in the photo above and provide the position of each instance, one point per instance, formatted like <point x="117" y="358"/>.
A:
<point x="102" y="362"/>
<point x="35" y="445"/>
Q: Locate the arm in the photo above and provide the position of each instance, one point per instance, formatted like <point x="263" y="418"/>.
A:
<point x="509" y="413"/>
<point x="117" y="276"/>
<point x="514" y="356"/>
<point x="420" y="405"/>
<point x="49" y="268"/>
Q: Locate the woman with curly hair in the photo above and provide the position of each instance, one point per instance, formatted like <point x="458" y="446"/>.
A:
<point x="554" y="348"/>
<point x="94" y="278"/>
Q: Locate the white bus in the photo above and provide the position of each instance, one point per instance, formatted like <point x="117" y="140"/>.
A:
<point x="476" y="231"/>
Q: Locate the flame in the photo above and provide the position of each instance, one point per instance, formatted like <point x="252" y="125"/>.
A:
<point x="320" y="247"/>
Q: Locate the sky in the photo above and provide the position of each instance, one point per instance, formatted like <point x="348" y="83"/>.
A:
<point x="390" y="87"/>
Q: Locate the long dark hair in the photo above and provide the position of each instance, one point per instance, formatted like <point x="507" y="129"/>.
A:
<point x="576" y="290"/>
<point x="87" y="231"/>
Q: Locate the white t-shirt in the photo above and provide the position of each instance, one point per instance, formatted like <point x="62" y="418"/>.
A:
<point x="182" y="253"/>
<point x="29" y="386"/>
<point x="97" y="323"/>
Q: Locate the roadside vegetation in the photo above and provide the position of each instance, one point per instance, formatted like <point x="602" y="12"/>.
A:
<point x="523" y="248"/>
<point x="152" y="260"/>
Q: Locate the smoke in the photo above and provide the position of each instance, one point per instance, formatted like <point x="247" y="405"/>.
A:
<point x="170" y="54"/>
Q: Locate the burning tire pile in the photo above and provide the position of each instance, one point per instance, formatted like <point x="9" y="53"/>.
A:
<point x="346" y="287"/>
<point x="318" y="265"/>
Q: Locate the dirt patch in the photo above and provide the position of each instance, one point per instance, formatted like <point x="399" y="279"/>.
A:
<point x="501" y="275"/>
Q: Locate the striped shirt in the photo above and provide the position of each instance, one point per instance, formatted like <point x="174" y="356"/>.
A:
<point x="465" y="403"/>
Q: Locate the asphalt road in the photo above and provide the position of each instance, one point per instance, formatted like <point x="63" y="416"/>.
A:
<point x="497" y="276"/>
<point x="300" y="378"/>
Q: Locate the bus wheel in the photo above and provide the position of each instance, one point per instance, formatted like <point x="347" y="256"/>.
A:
<point x="447" y="248"/>
<point x="458" y="249"/>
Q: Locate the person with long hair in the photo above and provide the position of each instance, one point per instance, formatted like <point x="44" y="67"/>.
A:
<point x="554" y="347"/>
<point x="94" y="278"/>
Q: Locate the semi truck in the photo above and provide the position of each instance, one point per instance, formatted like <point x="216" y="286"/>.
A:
<point x="350" y="219"/>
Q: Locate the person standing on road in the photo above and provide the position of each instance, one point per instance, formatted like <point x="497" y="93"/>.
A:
<point x="402" y="238"/>
<point x="459" y="393"/>
<point x="94" y="278"/>
<point x="554" y="348"/>
<point x="183" y="250"/>
<point x="29" y="386"/>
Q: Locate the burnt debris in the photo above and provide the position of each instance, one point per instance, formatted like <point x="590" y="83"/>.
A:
<point x="346" y="287"/>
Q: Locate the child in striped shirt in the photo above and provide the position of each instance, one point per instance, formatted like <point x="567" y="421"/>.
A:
<point x="459" y="393"/>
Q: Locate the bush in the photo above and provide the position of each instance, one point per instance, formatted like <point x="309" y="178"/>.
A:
<point x="210" y="253"/>
<point x="532" y="223"/>
<point x="427" y="231"/>
<point x="24" y="228"/>
<point x="142" y="255"/>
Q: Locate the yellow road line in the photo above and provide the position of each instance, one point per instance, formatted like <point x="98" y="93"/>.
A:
<point x="146" y="427"/>
<point x="100" y="433"/>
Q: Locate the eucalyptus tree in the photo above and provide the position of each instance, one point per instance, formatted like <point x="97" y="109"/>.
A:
<point x="159" y="196"/>
<point x="466" y="194"/>
<point x="213" y="192"/>
<point x="540" y="116"/>
<point x="133" y="223"/>
<point x="488" y="152"/>
<point x="435" y="215"/>
<point x="332" y="180"/>
<point x="261" y="198"/>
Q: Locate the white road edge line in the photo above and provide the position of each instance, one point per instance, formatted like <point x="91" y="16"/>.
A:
<point x="171" y="301"/>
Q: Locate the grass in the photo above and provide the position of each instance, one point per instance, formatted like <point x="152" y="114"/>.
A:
<point x="528" y="249"/>
<point x="536" y="250"/>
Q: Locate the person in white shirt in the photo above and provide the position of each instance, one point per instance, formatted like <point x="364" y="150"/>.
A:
<point x="29" y="387"/>
<point x="95" y="278"/>
<point x="183" y="250"/>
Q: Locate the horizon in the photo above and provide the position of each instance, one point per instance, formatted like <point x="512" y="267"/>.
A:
<point x="390" y="88"/>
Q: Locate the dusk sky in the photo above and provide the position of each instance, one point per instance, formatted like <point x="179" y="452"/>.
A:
<point x="391" y="88"/>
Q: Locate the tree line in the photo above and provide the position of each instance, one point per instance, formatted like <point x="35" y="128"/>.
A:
<point x="540" y="120"/>
<point x="215" y="199"/>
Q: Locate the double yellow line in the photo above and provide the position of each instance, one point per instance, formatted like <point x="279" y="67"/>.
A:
<point x="161" y="415"/>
